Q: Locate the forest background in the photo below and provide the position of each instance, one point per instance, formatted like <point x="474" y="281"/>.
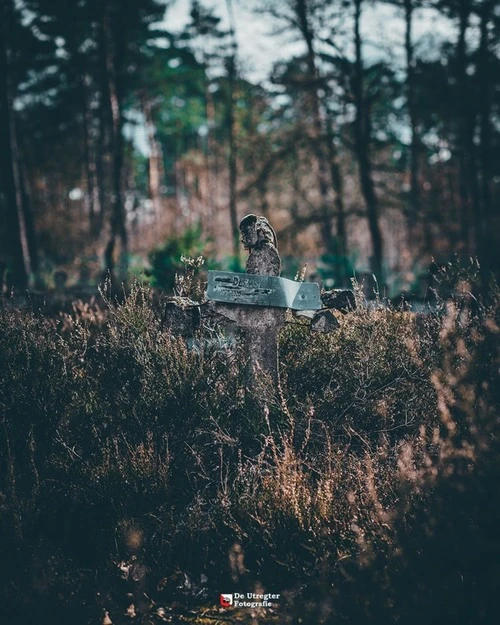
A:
<point x="132" y="133"/>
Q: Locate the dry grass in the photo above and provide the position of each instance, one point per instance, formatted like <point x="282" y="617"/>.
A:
<point x="376" y="484"/>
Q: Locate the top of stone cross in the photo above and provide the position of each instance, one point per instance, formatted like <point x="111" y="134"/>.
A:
<point x="258" y="236"/>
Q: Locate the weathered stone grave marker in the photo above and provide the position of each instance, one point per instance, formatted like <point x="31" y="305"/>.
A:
<point x="257" y="301"/>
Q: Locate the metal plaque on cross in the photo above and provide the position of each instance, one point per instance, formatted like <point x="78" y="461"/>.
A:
<point x="256" y="290"/>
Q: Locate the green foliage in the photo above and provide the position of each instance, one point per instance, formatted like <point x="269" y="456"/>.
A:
<point x="335" y="270"/>
<point x="166" y="261"/>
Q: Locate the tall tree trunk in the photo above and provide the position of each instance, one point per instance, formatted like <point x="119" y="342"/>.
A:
<point x="15" y="236"/>
<point x="91" y="195"/>
<point x="487" y="224"/>
<point x="113" y="54"/>
<point x="469" y="183"/>
<point x="343" y="268"/>
<point x="100" y="169"/>
<point x="414" y="204"/>
<point x="233" y="172"/>
<point x="462" y="84"/>
<point x="319" y="139"/>
<point x="155" y="160"/>
<point x="211" y="207"/>
<point x="329" y="174"/>
<point x="29" y="220"/>
<point x="362" y="132"/>
<point x="232" y="164"/>
<point x="103" y="124"/>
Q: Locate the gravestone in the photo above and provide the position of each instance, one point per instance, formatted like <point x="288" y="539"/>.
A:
<point x="257" y="302"/>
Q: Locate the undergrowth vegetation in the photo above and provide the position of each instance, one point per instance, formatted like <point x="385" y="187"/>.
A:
<point x="138" y="470"/>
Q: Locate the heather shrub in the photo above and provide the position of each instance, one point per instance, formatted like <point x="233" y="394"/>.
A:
<point x="358" y="491"/>
<point x="424" y="548"/>
<point x="372" y="376"/>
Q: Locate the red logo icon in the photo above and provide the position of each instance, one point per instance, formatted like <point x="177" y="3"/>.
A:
<point x="226" y="600"/>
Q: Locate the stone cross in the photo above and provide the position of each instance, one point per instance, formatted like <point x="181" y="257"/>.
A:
<point x="257" y="301"/>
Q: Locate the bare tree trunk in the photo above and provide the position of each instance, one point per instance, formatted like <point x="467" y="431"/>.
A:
<point x="155" y="160"/>
<point x="211" y="149"/>
<point x="103" y="126"/>
<point x="100" y="169"/>
<point x="414" y="204"/>
<point x="91" y="195"/>
<point x="329" y="175"/>
<point x="343" y="268"/>
<point x="462" y="81"/>
<point x="469" y="183"/>
<point x="362" y="130"/>
<point x="113" y="54"/>
<point x="27" y="203"/>
<point x="318" y="139"/>
<point x="18" y="257"/>
<point x="233" y="172"/>
<point x="92" y="199"/>
<point x="487" y="224"/>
